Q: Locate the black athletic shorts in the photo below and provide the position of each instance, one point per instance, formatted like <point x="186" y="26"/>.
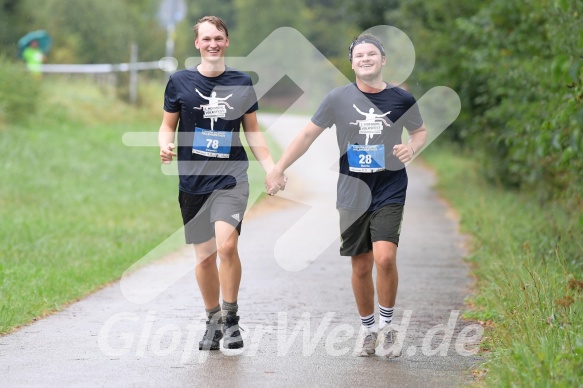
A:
<point x="359" y="230"/>
<point x="200" y="211"/>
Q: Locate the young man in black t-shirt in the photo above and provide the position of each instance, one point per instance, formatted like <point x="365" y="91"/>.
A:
<point x="369" y="116"/>
<point x="208" y="104"/>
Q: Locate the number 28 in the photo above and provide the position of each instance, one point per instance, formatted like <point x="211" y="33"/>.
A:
<point x="364" y="159"/>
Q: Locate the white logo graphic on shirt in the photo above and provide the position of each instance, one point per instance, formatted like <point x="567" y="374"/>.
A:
<point x="237" y="217"/>
<point x="216" y="108"/>
<point x="372" y="124"/>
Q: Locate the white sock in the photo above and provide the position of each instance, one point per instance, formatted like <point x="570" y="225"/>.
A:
<point x="386" y="316"/>
<point x="368" y="322"/>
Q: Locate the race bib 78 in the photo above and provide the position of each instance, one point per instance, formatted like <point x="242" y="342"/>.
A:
<point x="214" y="144"/>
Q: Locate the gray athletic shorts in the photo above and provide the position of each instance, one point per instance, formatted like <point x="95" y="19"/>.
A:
<point x="359" y="230"/>
<point x="200" y="211"/>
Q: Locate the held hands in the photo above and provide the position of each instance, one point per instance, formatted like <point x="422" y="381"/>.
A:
<point x="404" y="152"/>
<point x="275" y="181"/>
<point x="166" y="153"/>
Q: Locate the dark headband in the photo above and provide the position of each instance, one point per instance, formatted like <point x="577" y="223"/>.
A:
<point x="365" y="40"/>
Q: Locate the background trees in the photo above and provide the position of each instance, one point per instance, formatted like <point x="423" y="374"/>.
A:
<point x="517" y="66"/>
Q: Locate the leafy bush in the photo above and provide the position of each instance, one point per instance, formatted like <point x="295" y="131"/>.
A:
<point x="19" y="93"/>
<point x="518" y="68"/>
<point x="524" y="74"/>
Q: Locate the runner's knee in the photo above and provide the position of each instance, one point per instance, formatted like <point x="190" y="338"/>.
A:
<point x="228" y="250"/>
<point x="386" y="262"/>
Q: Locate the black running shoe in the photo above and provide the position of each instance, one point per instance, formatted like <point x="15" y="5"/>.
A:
<point x="212" y="335"/>
<point x="233" y="339"/>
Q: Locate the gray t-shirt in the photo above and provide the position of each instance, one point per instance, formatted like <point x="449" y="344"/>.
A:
<point x="368" y="125"/>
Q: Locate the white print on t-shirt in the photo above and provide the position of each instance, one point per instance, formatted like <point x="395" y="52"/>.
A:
<point x="215" y="109"/>
<point x="373" y="123"/>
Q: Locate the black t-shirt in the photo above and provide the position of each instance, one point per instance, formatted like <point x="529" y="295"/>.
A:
<point x="368" y="125"/>
<point x="210" y="154"/>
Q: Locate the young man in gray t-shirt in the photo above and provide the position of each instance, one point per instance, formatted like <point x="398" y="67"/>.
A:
<point x="369" y="116"/>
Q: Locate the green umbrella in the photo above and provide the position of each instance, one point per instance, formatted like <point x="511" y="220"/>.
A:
<point x="41" y="36"/>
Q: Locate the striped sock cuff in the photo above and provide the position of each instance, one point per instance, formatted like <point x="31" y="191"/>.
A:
<point x="368" y="321"/>
<point x="386" y="312"/>
<point x="386" y="316"/>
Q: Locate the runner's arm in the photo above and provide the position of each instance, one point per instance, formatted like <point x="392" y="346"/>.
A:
<point x="417" y="140"/>
<point x="299" y="145"/>
<point x="257" y="142"/>
<point x="166" y="136"/>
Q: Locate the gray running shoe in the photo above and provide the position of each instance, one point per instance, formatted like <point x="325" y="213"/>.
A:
<point x="231" y="330"/>
<point x="366" y="344"/>
<point x="212" y="335"/>
<point x="388" y="345"/>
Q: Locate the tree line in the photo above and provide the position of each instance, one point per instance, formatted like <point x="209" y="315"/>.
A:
<point x="91" y="31"/>
<point x="518" y="68"/>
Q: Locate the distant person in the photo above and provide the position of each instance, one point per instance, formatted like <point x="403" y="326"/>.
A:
<point x="372" y="183"/>
<point x="212" y="163"/>
<point x="34" y="58"/>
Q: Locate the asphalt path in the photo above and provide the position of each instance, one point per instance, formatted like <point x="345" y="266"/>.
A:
<point x="295" y="302"/>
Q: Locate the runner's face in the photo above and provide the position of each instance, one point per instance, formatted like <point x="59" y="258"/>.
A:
<point x="211" y="42"/>
<point x="367" y="61"/>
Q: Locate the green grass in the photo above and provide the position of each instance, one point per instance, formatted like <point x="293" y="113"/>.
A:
<point x="528" y="260"/>
<point x="77" y="206"/>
